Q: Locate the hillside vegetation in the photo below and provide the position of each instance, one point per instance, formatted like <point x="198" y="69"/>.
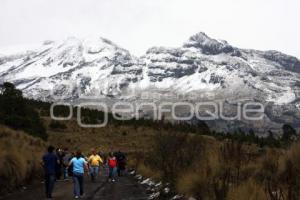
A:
<point x="17" y="114"/>
<point x="20" y="156"/>
<point x="205" y="168"/>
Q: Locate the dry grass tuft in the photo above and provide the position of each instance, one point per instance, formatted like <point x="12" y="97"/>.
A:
<point x="249" y="190"/>
<point x="20" y="156"/>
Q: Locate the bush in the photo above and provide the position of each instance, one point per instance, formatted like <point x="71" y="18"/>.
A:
<point x="174" y="152"/>
<point x="290" y="174"/>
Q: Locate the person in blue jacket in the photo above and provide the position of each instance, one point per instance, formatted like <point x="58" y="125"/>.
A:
<point x="79" y="165"/>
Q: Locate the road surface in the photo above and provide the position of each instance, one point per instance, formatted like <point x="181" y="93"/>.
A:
<point x="125" y="188"/>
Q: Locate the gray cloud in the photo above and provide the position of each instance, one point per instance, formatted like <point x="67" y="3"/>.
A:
<point x="140" y="24"/>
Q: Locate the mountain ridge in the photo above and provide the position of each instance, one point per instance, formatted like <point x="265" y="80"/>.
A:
<point x="205" y="67"/>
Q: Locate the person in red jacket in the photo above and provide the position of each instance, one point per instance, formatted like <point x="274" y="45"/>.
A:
<point x="112" y="166"/>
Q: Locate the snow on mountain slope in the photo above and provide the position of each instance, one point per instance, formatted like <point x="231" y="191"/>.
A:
<point x="209" y="68"/>
<point x="207" y="64"/>
<point x="74" y="63"/>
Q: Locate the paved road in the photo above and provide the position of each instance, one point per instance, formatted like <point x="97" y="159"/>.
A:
<point x="125" y="188"/>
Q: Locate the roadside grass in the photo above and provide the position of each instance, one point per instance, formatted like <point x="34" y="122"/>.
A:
<point x="205" y="168"/>
<point x="20" y="156"/>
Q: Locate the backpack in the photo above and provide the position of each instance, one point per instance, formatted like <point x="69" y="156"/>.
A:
<point x="112" y="162"/>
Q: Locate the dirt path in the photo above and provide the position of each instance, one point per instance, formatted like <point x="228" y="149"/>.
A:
<point x="125" y="188"/>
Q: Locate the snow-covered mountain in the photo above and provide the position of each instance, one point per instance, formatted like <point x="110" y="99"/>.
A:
<point x="56" y="70"/>
<point x="207" y="68"/>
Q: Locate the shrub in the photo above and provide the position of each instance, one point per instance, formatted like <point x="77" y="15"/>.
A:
<point x="174" y="152"/>
<point x="290" y="174"/>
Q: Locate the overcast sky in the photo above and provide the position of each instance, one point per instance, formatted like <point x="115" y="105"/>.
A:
<point x="139" y="24"/>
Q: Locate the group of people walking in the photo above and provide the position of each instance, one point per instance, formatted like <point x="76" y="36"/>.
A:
<point x="75" y="164"/>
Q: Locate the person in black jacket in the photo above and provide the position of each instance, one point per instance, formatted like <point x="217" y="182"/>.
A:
<point x="50" y="162"/>
<point x="59" y="166"/>
<point x="121" y="161"/>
